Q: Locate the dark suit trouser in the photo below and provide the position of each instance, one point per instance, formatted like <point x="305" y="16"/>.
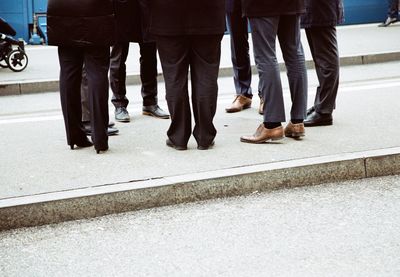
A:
<point x="200" y="53"/>
<point x="148" y="73"/>
<point x="324" y="50"/>
<point x="237" y="26"/>
<point x="393" y="10"/>
<point x="265" y="32"/>
<point x="85" y="97"/>
<point x="96" y="60"/>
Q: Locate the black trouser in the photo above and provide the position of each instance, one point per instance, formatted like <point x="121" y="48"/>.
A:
<point x="148" y="73"/>
<point x="200" y="53"/>
<point x="96" y="60"/>
<point x="238" y="29"/>
<point x="393" y="10"/>
<point x="324" y="50"/>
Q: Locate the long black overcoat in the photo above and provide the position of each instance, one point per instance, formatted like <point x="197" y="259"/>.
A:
<point x="323" y="13"/>
<point x="128" y="20"/>
<point x="80" y="23"/>
<point x="187" y="17"/>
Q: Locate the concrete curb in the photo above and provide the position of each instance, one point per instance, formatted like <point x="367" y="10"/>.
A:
<point x="91" y="202"/>
<point x="38" y="86"/>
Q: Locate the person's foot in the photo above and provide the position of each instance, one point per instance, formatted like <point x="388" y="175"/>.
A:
<point x="81" y="143"/>
<point x="205" y="147"/>
<point x="318" y="119"/>
<point x="388" y="21"/>
<point x="86" y="124"/>
<point x="122" y="115"/>
<point x="263" y="134"/>
<point x="294" y="130"/>
<point x="169" y="143"/>
<point x="240" y="103"/>
<point x="261" y="107"/>
<point x="156" y="111"/>
<point x="111" y="131"/>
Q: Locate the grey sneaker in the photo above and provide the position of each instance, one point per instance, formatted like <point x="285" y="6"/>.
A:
<point x="122" y="115"/>
<point x="388" y="21"/>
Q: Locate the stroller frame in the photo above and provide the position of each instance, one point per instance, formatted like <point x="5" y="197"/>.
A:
<point x="12" y="51"/>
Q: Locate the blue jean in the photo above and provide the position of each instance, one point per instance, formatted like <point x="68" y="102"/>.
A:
<point x="264" y="33"/>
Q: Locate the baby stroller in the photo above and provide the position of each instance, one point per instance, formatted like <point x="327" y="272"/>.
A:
<point x="12" y="51"/>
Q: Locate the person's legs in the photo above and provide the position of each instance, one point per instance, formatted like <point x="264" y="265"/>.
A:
<point x="393" y="11"/>
<point x="392" y="14"/>
<point x="97" y="64"/>
<point x="85" y="97"/>
<point x="71" y="62"/>
<point x="119" y="54"/>
<point x="237" y="26"/>
<point x="293" y="55"/>
<point x="238" y="31"/>
<point x="148" y="72"/>
<point x="324" y="50"/>
<point x="148" y="76"/>
<point x="174" y="56"/>
<point x="204" y="66"/>
<point x="264" y="32"/>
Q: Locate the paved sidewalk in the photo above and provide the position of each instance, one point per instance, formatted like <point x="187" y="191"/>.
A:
<point x="42" y="181"/>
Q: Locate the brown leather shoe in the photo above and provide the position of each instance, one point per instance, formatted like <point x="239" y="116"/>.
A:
<point x="240" y="103"/>
<point x="295" y="130"/>
<point x="263" y="134"/>
<point x="261" y="108"/>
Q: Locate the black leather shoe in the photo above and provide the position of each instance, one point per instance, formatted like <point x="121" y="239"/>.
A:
<point x="201" y="147"/>
<point x="310" y="110"/>
<point x="111" y="131"/>
<point x="86" y="125"/>
<point x="317" y="119"/>
<point x="156" y="111"/>
<point x="177" y="147"/>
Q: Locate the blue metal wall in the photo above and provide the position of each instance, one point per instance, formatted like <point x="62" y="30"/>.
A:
<point x="19" y="13"/>
<point x="365" y="11"/>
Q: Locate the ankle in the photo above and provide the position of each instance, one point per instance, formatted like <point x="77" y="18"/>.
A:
<point x="272" y="125"/>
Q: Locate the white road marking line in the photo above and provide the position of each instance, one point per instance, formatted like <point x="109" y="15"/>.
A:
<point x="225" y="98"/>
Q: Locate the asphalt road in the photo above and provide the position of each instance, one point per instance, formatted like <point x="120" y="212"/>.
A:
<point x="339" y="229"/>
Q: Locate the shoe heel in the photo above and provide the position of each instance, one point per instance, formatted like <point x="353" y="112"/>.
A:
<point x="99" y="150"/>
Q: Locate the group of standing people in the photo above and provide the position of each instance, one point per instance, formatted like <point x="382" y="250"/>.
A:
<point x="187" y="34"/>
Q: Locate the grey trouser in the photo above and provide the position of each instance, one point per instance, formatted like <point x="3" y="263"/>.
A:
<point x="264" y="33"/>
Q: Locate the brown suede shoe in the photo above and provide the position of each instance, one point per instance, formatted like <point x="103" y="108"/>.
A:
<point x="261" y="108"/>
<point x="240" y="103"/>
<point x="263" y="134"/>
<point x="295" y="130"/>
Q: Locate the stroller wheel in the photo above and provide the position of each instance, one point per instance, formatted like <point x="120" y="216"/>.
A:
<point x="17" y="60"/>
<point x="3" y="63"/>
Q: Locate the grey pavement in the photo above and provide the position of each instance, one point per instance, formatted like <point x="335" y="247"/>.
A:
<point x="337" y="229"/>
<point x="42" y="181"/>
